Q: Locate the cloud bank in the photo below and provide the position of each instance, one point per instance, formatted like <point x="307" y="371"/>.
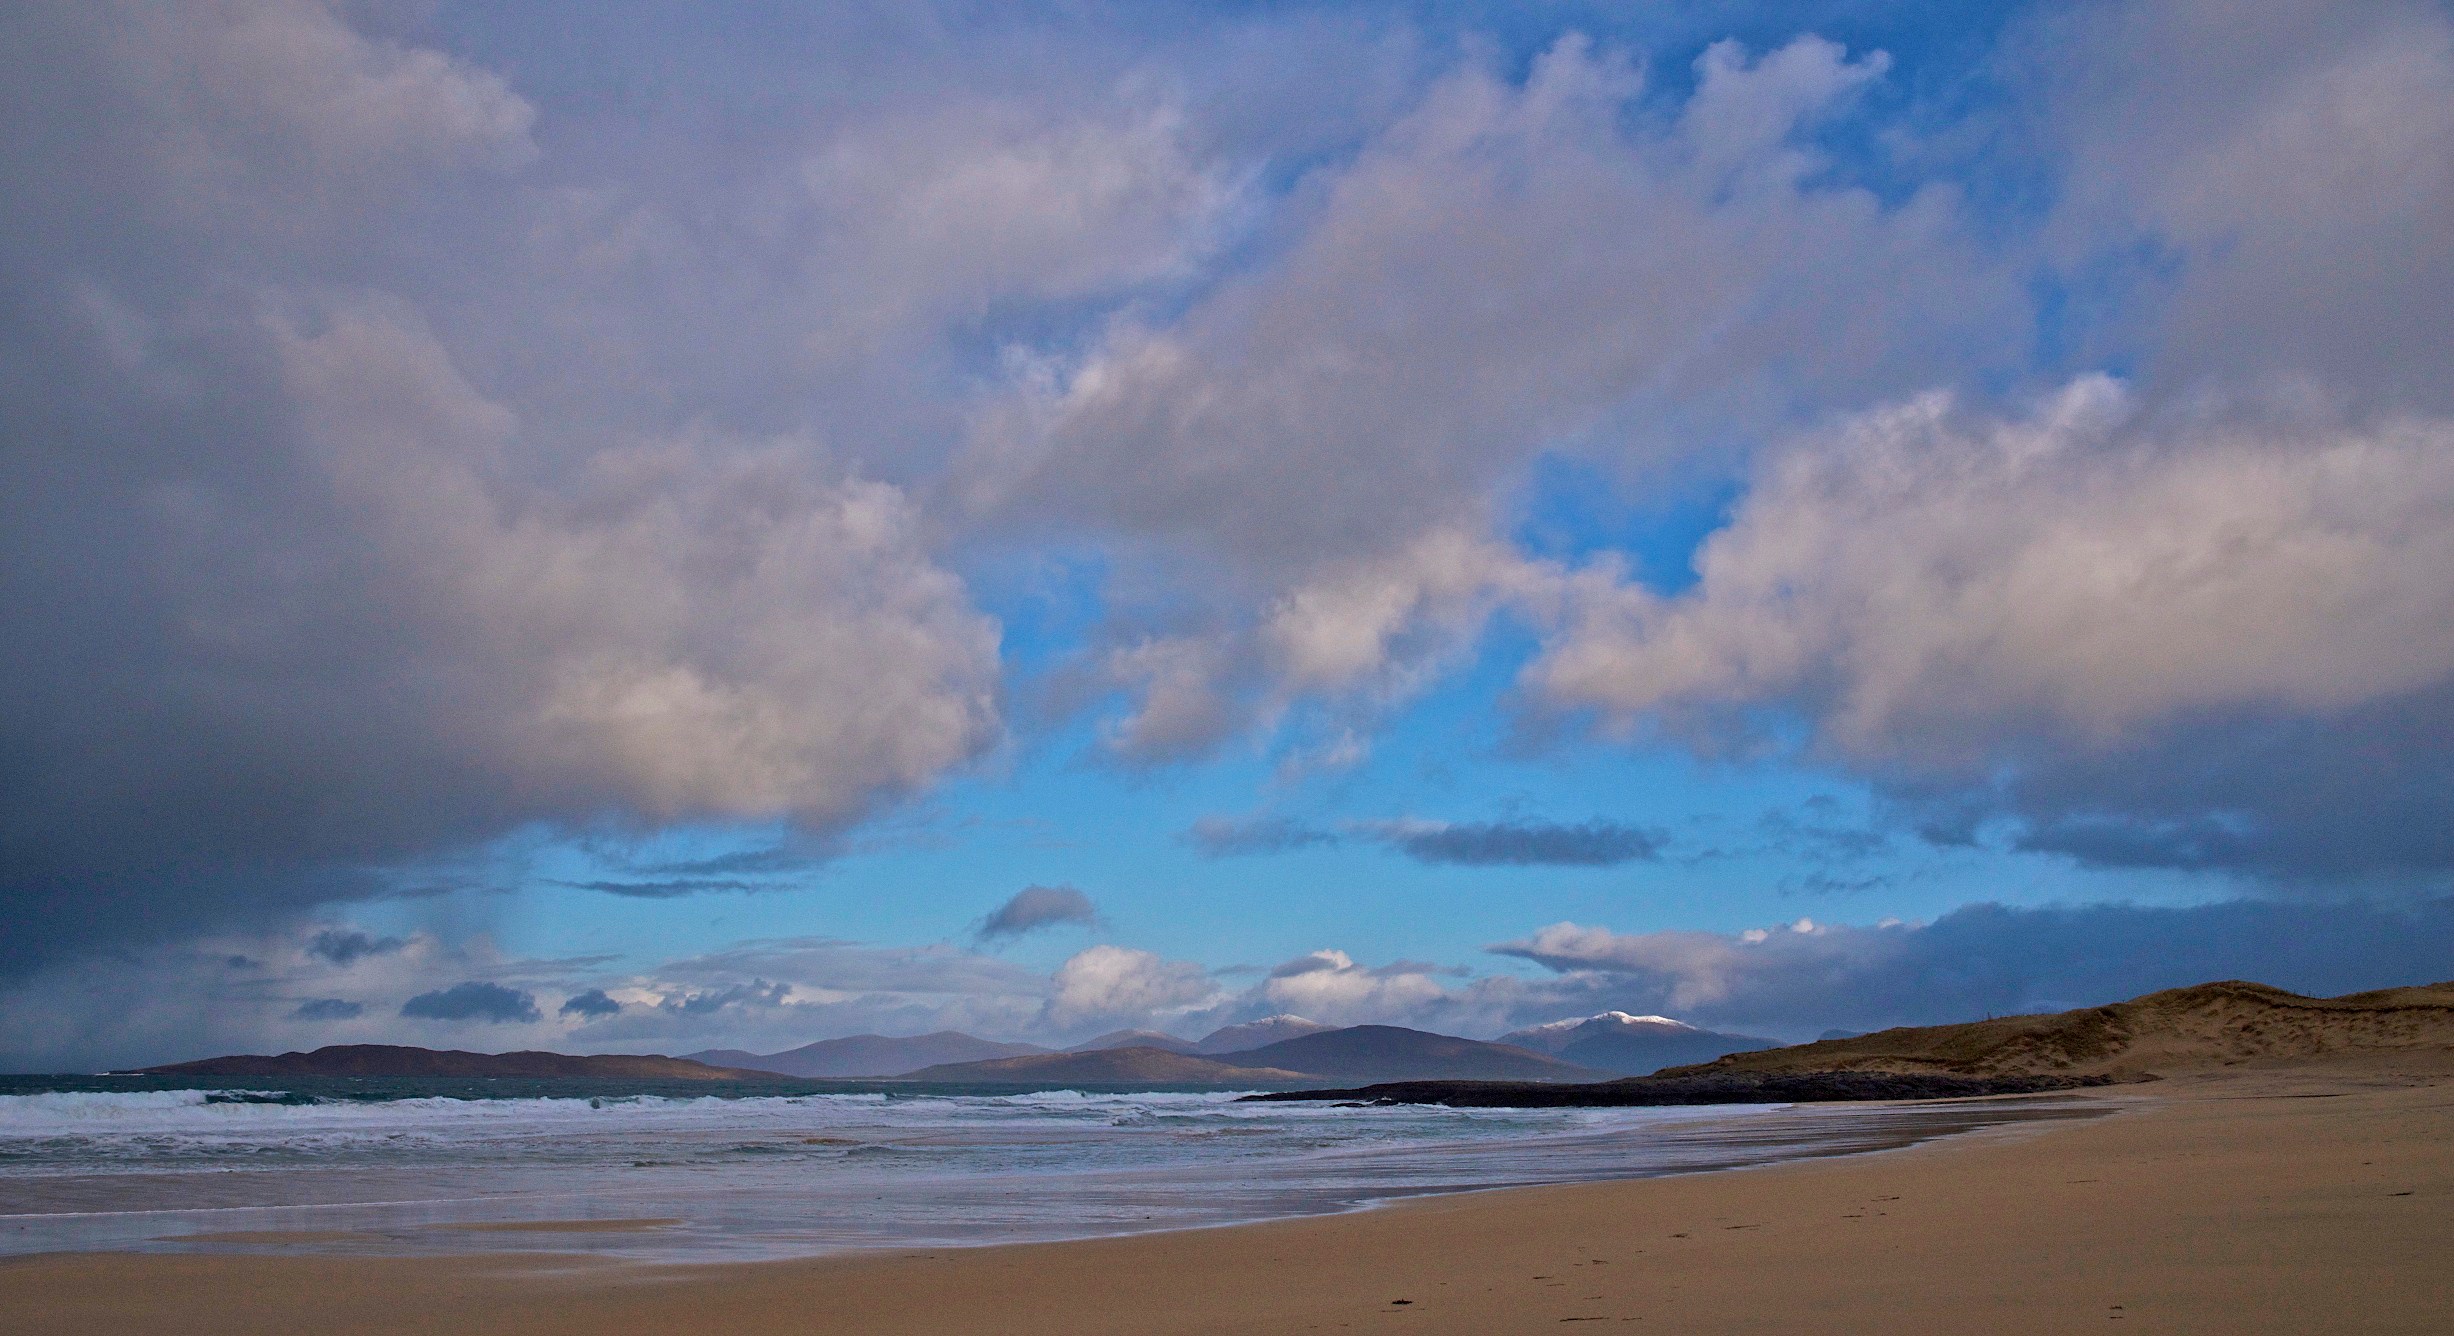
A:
<point x="399" y="454"/>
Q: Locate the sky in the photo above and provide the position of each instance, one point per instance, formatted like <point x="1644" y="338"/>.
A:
<point x="632" y="527"/>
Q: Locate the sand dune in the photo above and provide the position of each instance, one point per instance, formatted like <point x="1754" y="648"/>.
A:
<point x="2211" y="1025"/>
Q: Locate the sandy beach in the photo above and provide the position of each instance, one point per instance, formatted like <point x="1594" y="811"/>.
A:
<point x="2285" y="1200"/>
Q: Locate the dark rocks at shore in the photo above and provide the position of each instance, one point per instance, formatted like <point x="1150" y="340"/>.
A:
<point x="1718" y="1088"/>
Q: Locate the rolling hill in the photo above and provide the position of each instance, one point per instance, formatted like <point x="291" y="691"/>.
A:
<point x="1356" y="1053"/>
<point x="397" y="1060"/>
<point x="1106" y="1066"/>
<point x="874" y="1055"/>
<point x="2173" y="1033"/>
<point x="1134" y="1039"/>
<point x="1253" y="1034"/>
<point x="1394" y="1053"/>
<point x="1626" y="1045"/>
<point x="2180" y="1029"/>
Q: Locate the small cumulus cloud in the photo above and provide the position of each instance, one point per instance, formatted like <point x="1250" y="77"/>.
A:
<point x="473" y="1001"/>
<point x="1329" y="986"/>
<point x="328" y="1009"/>
<point x="756" y="993"/>
<point x="589" y="1005"/>
<point x="1314" y="962"/>
<point x="1109" y="983"/>
<point x="1037" y="907"/>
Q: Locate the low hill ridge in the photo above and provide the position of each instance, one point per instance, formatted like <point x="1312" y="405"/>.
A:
<point x="868" y="1055"/>
<point x="1554" y="1030"/>
<point x="1395" y="1053"/>
<point x="1629" y="1045"/>
<point x="401" y="1060"/>
<point x="2179" y="1029"/>
<point x="1253" y="1034"/>
<point x="1106" y="1066"/>
<point x="1134" y="1039"/>
<point x="1355" y="1053"/>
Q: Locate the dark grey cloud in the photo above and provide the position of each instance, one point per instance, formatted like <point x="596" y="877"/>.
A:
<point x="329" y="1009"/>
<point x="665" y="888"/>
<point x="777" y="867"/>
<point x="1227" y="837"/>
<point x="2363" y="796"/>
<point x="589" y="1005"/>
<point x="343" y="946"/>
<point x="1035" y="907"/>
<point x="278" y="638"/>
<point x="1987" y="959"/>
<point x="1593" y="843"/>
<point x="473" y="1001"/>
<point x="777" y="861"/>
<point x="1317" y="962"/>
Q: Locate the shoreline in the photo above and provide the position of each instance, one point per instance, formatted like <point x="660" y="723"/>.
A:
<point x="775" y="1220"/>
<point x="2282" y="1200"/>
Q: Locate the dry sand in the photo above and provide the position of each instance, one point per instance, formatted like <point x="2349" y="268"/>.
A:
<point x="2312" y="1199"/>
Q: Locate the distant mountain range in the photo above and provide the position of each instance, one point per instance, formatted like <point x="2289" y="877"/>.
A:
<point x="1276" y="1050"/>
<point x="1229" y="1039"/>
<point x="871" y="1055"/>
<point x="397" y="1060"/>
<point x="1253" y="1034"/>
<point x="882" y="1057"/>
<point x="1108" y="1066"/>
<point x="1356" y="1053"/>
<point x="2207" y="1027"/>
<point x="1626" y="1045"/>
<point x="1134" y="1039"/>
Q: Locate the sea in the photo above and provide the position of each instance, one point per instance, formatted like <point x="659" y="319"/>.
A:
<point x="682" y="1173"/>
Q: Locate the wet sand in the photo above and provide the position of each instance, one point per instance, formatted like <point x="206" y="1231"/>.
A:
<point x="2290" y="1200"/>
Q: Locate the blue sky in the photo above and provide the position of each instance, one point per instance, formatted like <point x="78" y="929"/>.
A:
<point x="1786" y="515"/>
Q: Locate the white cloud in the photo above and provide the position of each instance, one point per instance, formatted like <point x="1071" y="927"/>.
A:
<point x="268" y="115"/>
<point x="1507" y="266"/>
<point x="1933" y="583"/>
<point x="1105" y="985"/>
<point x="1382" y="624"/>
<point x="2288" y="174"/>
<point x="940" y="214"/>
<point x="1329" y="987"/>
<point x="1183" y="698"/>
<point x="692" y="628"/>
